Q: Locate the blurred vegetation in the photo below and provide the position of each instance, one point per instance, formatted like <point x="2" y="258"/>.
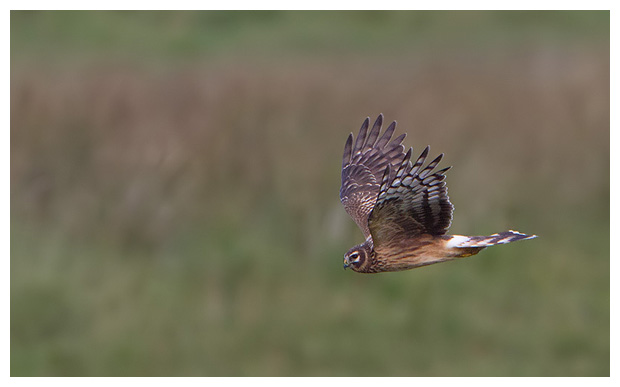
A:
<point x="175" y="177"/>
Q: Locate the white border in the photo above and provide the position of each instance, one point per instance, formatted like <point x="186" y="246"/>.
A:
<point x="422" y="5"/>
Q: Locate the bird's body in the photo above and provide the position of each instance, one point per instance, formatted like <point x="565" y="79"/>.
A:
<point x="402" y="208"/>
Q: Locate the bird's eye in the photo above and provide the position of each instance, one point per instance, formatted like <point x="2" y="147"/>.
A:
<point x="354" y="257"/>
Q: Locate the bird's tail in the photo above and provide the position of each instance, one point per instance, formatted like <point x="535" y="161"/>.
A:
<point x="461" y="241"/>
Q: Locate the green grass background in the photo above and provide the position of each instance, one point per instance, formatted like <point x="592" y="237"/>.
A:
<point x="175" y="177"/>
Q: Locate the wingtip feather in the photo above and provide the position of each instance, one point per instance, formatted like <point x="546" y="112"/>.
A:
<point x="346" y="156"/>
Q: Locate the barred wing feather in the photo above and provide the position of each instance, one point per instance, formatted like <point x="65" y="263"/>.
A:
<point x="363" y="164"/>
<point x="412" y="201"/>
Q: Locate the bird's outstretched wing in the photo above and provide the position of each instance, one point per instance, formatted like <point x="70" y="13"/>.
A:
<point x="412" y="201"/>
<point x="363" y="165"/>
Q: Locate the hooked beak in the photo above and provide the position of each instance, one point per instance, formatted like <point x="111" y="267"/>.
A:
<point x="346" y="265"/>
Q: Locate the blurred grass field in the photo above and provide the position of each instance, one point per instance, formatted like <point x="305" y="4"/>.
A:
<point x="175" y="177"/>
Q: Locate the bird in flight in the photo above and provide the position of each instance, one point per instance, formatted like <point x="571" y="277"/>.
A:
<point x="402" y="207"/>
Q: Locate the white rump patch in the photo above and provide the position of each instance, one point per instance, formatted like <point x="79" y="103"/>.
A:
<point x="457" y="240"/>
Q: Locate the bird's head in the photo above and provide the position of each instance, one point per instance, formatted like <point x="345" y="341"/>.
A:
<point x="358" y="257"/>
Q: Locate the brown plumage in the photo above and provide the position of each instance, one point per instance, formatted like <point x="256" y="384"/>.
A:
<point x="402" y="208"/>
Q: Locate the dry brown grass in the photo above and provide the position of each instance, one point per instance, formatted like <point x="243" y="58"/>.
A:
<point x="129" y="151"/>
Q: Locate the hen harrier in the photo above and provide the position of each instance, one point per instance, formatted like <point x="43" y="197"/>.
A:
<point x="402" y="208"/>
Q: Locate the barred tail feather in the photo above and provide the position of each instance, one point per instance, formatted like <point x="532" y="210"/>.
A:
<point x="461" y="241"/>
